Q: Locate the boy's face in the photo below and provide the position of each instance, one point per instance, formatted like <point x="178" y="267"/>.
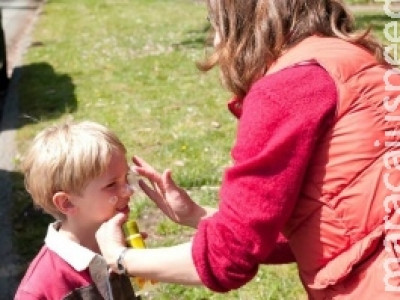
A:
<point x="105" y="195"/>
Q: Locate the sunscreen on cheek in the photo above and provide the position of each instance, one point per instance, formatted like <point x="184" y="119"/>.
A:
<point x="113" y="200"/>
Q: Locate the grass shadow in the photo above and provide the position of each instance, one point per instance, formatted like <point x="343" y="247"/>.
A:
<point x="198" y="38"/>
<point x="23" y="229"/>
<point x="29" y="223"/>
<point x="46" y="94"/>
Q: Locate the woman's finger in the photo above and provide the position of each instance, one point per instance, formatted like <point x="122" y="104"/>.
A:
<point x="168" y="182"/>
<point x="149" y="173"/>
<point x="152" y="193"/>
<point x="118" y="219"/>
<point x="137" y="160"/>
<point x="111" y="229"/>
<point x="154" y="178"/>
<point x="142" y="163"/>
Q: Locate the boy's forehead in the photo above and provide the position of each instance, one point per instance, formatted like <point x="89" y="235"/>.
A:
<point x="117" y="164"/>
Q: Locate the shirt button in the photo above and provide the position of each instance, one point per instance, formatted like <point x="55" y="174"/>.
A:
<point x="97" y="277"/>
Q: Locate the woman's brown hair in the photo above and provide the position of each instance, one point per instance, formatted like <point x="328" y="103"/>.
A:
<point x="254" y="33"/>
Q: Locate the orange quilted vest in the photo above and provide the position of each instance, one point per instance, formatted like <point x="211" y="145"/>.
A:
<point x="339" y="226"/>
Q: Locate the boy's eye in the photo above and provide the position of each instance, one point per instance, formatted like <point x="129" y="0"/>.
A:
<point x="112" y="184"/>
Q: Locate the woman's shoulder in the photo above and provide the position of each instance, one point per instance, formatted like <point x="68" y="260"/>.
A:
<point x="298" y="84"/>
<point x="303" y="75"/>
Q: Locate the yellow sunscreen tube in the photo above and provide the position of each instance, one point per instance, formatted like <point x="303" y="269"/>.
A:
<point x="135" y="240"/>
<point x="132" y="235"/>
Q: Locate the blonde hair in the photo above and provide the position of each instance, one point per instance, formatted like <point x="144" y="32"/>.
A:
<point x="66" y="157"/>
<point x="254" y="33"/>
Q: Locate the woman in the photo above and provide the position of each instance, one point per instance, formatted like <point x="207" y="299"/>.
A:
<point x="313" y="171"/>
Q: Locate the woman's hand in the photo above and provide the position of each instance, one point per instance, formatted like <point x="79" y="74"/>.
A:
<point x="111" y="239"/>
<point x="170" y="198"/>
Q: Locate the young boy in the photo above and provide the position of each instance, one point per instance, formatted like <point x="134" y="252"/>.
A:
<point x="77" y="172"/>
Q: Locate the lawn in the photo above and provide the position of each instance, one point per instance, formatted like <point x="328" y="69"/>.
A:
<point x="130" y="64"/>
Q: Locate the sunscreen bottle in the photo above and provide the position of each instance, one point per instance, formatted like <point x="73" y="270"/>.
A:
<point x="134" y="240"/>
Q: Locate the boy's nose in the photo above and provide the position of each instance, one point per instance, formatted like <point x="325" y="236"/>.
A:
<point x="126" y="191"/>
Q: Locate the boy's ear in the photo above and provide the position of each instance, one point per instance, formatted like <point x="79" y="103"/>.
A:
<point x="63" y="203"/>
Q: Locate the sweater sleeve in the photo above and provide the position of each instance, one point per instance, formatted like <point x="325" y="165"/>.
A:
<point x="22" y="295"/>
<point x="282" y="117"/>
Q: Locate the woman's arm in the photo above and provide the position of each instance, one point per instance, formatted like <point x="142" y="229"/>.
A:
<point x="167" y="264"/>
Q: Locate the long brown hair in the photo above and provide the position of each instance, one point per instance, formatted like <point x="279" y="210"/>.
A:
<point x="254" y="33"/>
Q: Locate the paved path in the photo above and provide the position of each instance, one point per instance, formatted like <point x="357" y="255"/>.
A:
<point x="18" y="20"/>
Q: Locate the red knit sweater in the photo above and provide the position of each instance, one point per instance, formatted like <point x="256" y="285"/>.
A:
<point x="280" y="122"/>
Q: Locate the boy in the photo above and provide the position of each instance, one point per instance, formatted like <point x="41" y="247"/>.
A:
<point x="77" y="172"/>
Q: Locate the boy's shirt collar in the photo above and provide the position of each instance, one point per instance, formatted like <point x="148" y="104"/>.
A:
<point x="74" y="254"/>
<point x="80" y="258"/>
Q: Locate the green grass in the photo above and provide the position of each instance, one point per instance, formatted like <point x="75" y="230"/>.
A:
<point x="130" y="64"/>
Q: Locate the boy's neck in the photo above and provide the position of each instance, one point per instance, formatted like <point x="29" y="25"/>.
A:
<point x="84" y="236"/>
